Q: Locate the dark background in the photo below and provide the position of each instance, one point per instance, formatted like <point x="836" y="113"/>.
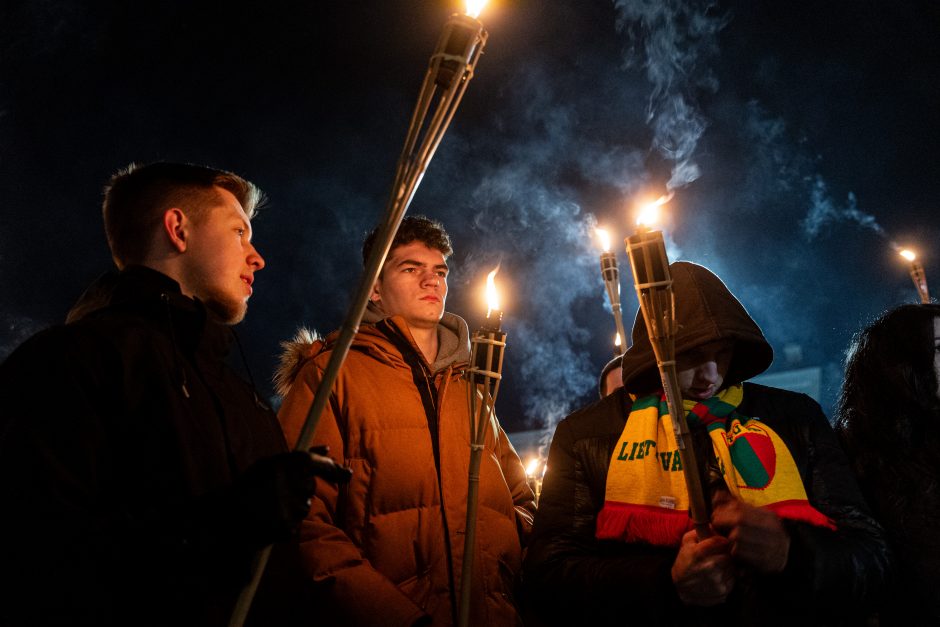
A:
<point x="810" y="131"/>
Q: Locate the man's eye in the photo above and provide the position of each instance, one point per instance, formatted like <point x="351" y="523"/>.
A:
<point x="241" y="232"/>
<point x="442" y="274"/>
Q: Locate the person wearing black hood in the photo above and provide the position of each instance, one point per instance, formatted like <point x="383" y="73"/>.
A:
<point x="791" y="538"/>
<point x="139" y="474"/>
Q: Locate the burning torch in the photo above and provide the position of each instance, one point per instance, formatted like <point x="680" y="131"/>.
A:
<point x="449" y="71"/>
<point x="653" y="281"/>
<point x="484" y="375"/>
<point x="917" y="275"/>
<point x="611" y="276"/>
<point x="535" y="473"/>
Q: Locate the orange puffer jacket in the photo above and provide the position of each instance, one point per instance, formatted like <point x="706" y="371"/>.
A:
<point x="387" y="548"/>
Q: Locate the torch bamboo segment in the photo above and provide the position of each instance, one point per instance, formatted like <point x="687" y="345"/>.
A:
<point x="653" y="282"/>
<point x="920" y="281"/>
<point x="484" y="375"/>
<point x="448" y="74"/>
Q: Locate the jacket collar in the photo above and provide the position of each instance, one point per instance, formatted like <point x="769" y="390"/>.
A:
<point x="155" y="295"/>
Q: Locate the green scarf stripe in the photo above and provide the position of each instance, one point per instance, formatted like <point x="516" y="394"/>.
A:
<point x="718" y="424"/>
<point x="748" y="465"/>
<point x="717" y="407"/>
<point x="645" y="403"/>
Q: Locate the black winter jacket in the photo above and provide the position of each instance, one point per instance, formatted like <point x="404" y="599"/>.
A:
<point x="120" y="435"/>
<point x="572" y="578"/>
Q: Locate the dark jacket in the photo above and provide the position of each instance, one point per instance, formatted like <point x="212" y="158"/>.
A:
<point x="120" y="437"/>
<point x="571" y="577"/>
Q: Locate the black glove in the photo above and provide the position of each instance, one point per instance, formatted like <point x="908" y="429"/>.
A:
<point x="272" y="497"/>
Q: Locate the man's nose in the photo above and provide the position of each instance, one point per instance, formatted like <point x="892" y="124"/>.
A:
<point x="255" y="260"/>
<point x="431" y="279"/>
<point x="708" y="372"/>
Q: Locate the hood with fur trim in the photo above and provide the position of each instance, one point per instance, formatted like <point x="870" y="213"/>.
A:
<point x="706" y="311"/>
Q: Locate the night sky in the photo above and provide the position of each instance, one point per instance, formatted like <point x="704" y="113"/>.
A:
<point x="800" y="139"/>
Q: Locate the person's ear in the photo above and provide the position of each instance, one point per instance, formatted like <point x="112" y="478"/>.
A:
<point x="176" y="228"/>
<point x="375" y="296"/>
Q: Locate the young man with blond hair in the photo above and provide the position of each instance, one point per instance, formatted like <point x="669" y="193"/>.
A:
<point x="139" y="474"/>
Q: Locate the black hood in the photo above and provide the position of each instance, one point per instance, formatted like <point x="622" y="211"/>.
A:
<point x="706" y="311"/>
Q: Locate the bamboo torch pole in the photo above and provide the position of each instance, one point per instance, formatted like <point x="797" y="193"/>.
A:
<point x="450" y="69"/>
<point x="653" y="282"/>
<point x="484" y="374"/>
<point x="918" y="276"/>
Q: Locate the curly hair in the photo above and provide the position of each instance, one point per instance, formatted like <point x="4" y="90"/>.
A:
<point x="422" y="229"/>
<point x="889" y="413"/>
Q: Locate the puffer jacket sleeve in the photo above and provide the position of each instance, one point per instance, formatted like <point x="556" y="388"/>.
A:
<point x="353" y="592"/>
<point x="523" y="498"/>
<point x="848" y="567"/>
<point x="570" y="576"/>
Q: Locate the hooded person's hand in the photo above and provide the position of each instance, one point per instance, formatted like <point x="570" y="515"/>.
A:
<point x="703" y="572"/>
<point x="757" y="536"/>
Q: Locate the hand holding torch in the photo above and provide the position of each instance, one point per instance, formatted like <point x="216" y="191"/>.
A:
<point x="450" y="69"/>
<point x="653" y="282"/>
<point x="484" y="374"/>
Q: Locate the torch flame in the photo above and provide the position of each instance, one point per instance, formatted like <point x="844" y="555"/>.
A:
<point x="908" y="254"/>
<point x="604" y="236"/>
<point x="617" y="341"/>
<point x="650" y="212"/>
<point x="532" y="467"/>
<point x="474" y="7"/>
<point x="492" y="298"/>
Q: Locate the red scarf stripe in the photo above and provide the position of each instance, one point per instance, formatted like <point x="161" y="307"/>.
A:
<point x="642" y="523"/>
<point x="801" y="511"/>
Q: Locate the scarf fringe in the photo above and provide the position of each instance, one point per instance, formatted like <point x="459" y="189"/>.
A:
<point x="801" y="511"/>
<point x="642" y="523"/>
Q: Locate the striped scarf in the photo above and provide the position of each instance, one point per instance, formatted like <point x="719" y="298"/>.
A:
<point x="646" y="497"/>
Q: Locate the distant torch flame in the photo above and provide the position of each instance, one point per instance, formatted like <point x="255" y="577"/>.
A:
<point x="532" y="467"/>
<point x="474" y="7"/>
<point x="908" y="254"/>
<point x="604" y="236"/>
<point x="617" y="341"/>
<point x="492" y="298"/>
<point x="650" y="213"/>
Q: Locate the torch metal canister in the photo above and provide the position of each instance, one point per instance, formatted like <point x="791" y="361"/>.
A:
<point x="611" y="275"/>
<point x="653" y="282"/>
<point x="487" y="346"/>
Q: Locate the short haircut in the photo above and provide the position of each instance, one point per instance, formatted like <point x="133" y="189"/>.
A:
<point x="137" y="196"/>
<point x="422" y="229"/>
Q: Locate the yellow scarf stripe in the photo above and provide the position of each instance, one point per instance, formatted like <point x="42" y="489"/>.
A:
<point x="646" y="495"/>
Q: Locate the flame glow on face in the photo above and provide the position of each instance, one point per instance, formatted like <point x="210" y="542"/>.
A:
<point x="908" y="254"/>
<point x="492" y="298"/>
<point x="474" y="7"/>
<point x="649" y="213"/>
<point x="604" y="237"/>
